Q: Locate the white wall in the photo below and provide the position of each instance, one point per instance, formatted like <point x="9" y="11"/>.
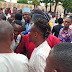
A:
<point x="14" y="1"/>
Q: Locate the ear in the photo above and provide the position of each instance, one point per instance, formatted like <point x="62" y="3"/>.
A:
<point x="54" y="71"/>
<point x="36" y="34"/>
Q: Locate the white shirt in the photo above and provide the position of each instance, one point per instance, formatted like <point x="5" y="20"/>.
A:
<point x="70" y="26"/>
<point x="15" y="44"/>
<point x="37" y="61"/>
<point x="54" y="24"/>
<point x="8" y="16"/>
<point x="12" y="62"/>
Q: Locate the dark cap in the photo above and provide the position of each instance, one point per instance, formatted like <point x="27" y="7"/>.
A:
<point x="47" y="16"/>
<point x="37" y="11"/>
<point x="37" y="16"/>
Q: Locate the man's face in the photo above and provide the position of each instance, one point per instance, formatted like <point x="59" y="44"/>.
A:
<point x="26" y="16"/>
<point x="17" y="30"/>
<point x="6" y="11"/>
<point x="67" y="22"/>
<point x="11" y="19"/>
<point x="14" y="11"/>
<point x="31" y="34"/>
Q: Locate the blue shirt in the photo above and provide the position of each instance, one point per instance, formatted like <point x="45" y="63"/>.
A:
<point x="27" y="26"/>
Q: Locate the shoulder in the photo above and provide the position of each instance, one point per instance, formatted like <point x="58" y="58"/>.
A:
<point x="20" y="57"/>
<point x="52" y="40"/>
<point x="44" y="50"/>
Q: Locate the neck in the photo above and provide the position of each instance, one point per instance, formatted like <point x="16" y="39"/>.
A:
<point x="37" y="43"/>
<point x="5" y="48"/>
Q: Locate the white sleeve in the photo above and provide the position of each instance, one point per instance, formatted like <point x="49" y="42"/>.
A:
<point x="39" y="63"/>
<point x="3" y="67"/>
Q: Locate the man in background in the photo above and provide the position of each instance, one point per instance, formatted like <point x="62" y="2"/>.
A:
<point x="14" y="10"/>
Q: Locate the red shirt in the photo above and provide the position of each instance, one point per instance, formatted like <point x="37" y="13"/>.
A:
<point x="52" y="40"/>
<point x="29" y="46"/>
<point x="25" y="45"/>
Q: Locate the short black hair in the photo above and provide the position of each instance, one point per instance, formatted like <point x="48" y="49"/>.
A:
<point x="62" y="55"/>
<point x="44" y="27"/>
<point x="18" y="16"/>
<point x="14" y="8"/>
<point x="60" y="20"/>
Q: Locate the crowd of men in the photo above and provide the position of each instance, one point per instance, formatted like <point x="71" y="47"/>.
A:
<point x="30" y="43"/>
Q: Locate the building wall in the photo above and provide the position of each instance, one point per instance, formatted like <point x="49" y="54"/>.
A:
<point x="21" y="6"/>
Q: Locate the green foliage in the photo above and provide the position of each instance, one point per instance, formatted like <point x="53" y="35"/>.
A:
<point x="2" y="0"/>
<point x="47" y="1"/>
<point x="37" y="2"/>
<point x="67" y="4"/>
<point x="23" y="1"/>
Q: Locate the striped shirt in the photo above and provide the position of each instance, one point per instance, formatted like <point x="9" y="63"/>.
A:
<point x="37" y="61"/>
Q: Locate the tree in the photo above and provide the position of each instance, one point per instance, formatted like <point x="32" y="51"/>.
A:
<point x="35" y="3"/>
<point x="2" y="0"/>
<point x="67" y="4"/>
<point x="56" y="3"/>
<point x="23" y="1"/>
<point x="46" y="3"/>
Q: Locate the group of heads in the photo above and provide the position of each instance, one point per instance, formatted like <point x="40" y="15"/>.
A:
<point x="36" y="14"/>
<point x="60" y="57"/>
<point x="40" y="28"/>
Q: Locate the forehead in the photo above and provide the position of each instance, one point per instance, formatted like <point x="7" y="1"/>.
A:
<point x="67" y="19"/>
<point x="26" y="13"/>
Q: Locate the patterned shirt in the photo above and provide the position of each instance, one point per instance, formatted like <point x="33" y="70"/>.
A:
<point x="64" y="36"/>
